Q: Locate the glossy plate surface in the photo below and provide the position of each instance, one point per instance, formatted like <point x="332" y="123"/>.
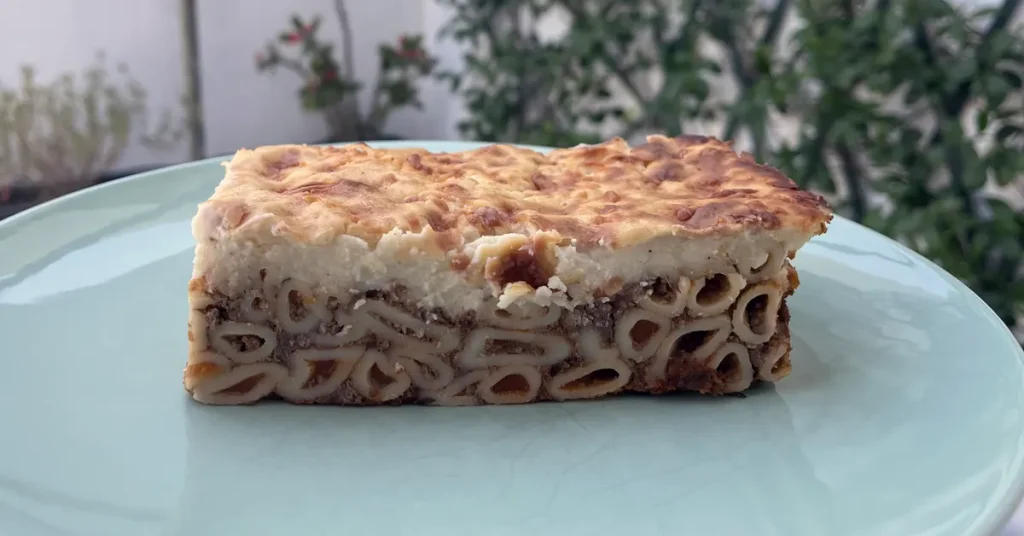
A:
<point x="902" y="415"/>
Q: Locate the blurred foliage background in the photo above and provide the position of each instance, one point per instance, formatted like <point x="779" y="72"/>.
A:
<point x="907" y="114"/>
<point x="331" y="87"/>
<point x="59" y="135"/>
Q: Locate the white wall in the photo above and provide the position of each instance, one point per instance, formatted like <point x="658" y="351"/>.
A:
<point x="246" y="108"/>
<point x="59" y="36"/>
<point x="443" y="109"/>
<point x="242" y="107"/>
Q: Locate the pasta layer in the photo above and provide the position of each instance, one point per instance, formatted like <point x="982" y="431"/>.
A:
<point x="715" y="335"/>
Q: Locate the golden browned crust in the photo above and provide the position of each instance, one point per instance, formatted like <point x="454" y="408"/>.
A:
<point x="609" y="194"/>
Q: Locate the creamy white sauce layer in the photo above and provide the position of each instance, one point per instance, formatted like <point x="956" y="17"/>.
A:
<point x="349" y="266"/>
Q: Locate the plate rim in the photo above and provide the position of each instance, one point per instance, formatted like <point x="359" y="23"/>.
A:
<point x="1001" y="513"/>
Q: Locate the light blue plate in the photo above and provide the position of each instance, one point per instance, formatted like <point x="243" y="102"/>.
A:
<point x="902" y="417"/>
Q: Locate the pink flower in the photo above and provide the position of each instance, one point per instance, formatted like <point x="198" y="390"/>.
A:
<point x="294" y="37"/>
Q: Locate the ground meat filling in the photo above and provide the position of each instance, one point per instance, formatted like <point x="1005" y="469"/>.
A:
<point x="600" y="316"/>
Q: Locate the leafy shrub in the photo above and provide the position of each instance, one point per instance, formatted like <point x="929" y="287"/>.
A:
<point x="330" y="87"/>
<point x="57" y="136"/>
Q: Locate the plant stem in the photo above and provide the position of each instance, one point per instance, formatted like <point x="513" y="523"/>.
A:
<point x="521" y="95"/>
<point x="349" y="64"/>
<point x="376" y="115"/>
<point x="823" y="127"/>
<point x="955" y="102"/>
<point x="346" y="38"/>
<point x="296" y="67"/>
<point x="691" y="22"/>
<point x="487" y="28"/>
<point x="952" y="105"/>
<point x="944" y="111"/>
<point x="193" y="82"/>
<point x="610" y="63"/>
<point x="744" y="76"/>
<point x="854" y="179"/>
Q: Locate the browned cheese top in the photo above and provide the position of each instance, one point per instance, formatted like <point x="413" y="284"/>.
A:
<point x="608" y="194"/>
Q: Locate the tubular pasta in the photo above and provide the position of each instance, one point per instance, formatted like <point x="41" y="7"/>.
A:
<point x="699" y="306"/>
<point x="250" y="311"/>
<point x="485" y="390"/>
<point x="624" y="336"/>
<point x="775" y="363"/>
<point x="365" y="382"/>
<point x="199" y="333"/>
<point x="218" y="389"/>
<point x="351" y="330"/>
<point x="562" y="386"/>
<point x="669" y="309"/>
<point x="742" y="327"/>
<point x="451" y="395"/>
<point x="303" y="365"/>
<point x="316" y="310"/>
<point x="717" y="325"/>
<point x="555" y="349"/>
<point x="592" y="348"/>
<point x="199" y="299"/>
<point x="270" y="294"/>
<point x="521" y="318"/>
<point x="444" y="338"/>
<point x="415" y="362"/>
<point x="741" y="374"/>
<point x="770" y="267"/>
<point x="202" y="366"/>
<point x="240" y="329"/>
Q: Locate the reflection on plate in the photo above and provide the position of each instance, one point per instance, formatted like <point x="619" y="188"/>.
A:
<point x="902" y="415"/>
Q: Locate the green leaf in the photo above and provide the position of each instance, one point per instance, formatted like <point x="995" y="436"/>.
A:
<point x="996" y="90"/>
<point x="1004" y="217"/>
<point x="1000" y="43"/>
<point x="974" y="170"/>
<point x="875" y="220"/>
<point x="399" y="93"/>
<point x="892" y="185"/>
<point x="711" y="66"/>
<point x="1007" y="132"/>
<point x="1013" y="79"/>
<point x="1007" y="165"/>
<point x="310" y="99"/>
<point x="763" y="60"/>
<point x="981" y="120"/>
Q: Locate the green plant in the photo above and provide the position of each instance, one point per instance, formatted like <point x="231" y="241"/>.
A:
<point x="328" y="85"/>
<point x="54" y="136"/>
<point x="908" y="114"/>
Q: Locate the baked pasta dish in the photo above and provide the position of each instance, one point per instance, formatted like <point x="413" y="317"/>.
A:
<point x="499" y="275"/>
